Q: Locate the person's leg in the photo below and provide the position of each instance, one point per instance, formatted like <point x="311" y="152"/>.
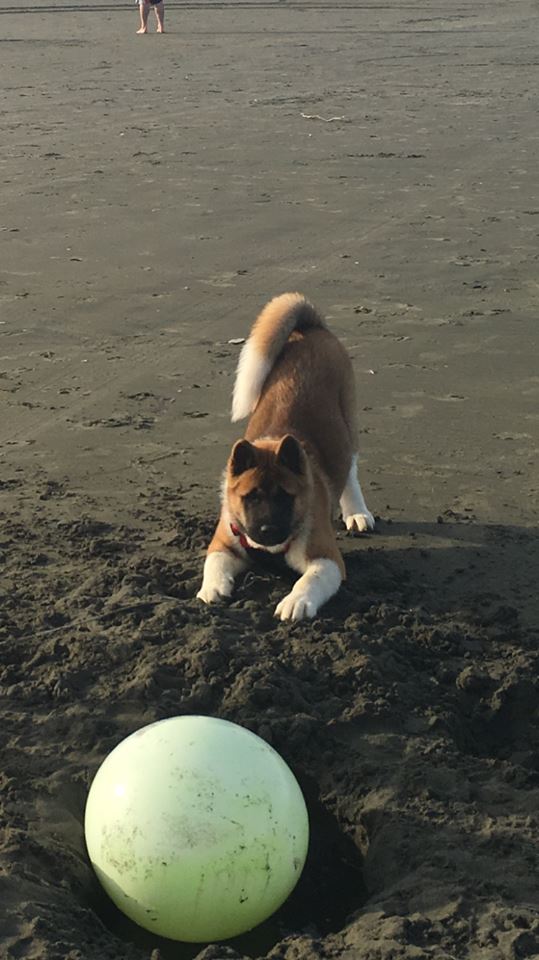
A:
<point x="144" y="9"/>
<point x="160" y="16"/>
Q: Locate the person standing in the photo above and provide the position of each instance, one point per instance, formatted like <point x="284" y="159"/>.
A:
<point x="158" y="7"/>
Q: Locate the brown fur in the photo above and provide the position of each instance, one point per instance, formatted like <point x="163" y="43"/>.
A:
<point x="310" y="393"/>
<point x="283" y="316"/>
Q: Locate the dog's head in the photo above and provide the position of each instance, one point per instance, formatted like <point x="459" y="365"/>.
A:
<point x="267" y="486"/>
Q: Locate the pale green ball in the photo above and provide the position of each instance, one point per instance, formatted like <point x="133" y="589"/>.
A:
<point x="196" y="828"/>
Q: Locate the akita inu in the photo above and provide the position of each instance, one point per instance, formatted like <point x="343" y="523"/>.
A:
<point x="297" y="460"/>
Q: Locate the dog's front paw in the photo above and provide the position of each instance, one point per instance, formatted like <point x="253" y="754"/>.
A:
<point x="218" y="580"/>
<point x="213" y="590"/>
<point x="359" y="522"/>
<point x="296" y="606"/>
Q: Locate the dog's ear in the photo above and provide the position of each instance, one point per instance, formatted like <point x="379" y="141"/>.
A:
<point x="290" y="455"/>
<point x="242" y="458"/>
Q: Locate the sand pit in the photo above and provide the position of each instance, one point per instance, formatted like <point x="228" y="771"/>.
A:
<point x="156" y="191"/>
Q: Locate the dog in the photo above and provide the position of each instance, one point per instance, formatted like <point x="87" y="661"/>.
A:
<point x="297" y="460"/>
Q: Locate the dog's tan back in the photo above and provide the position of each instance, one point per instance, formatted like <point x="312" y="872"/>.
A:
<point x="310" y="393"/>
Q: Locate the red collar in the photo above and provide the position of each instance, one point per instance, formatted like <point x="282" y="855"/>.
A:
<point x="237" y="533"/>
<point x="245" y="543"/>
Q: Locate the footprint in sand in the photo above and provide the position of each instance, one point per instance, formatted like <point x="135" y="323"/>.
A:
<point x="451" y="398"/>
<point x="138" y="423"/>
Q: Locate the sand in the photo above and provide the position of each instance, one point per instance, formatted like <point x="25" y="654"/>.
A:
<point x="155" y="192"/>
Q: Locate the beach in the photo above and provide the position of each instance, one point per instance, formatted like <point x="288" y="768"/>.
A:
<point x="156" y="191"/>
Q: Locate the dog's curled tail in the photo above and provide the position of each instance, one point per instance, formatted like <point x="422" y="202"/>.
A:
<point x="272" y="328"/>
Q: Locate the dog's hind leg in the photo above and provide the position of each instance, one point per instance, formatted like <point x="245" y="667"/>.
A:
<point x="355" y="513"/>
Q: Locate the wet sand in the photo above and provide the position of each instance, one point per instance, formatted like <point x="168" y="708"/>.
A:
<point x="156" y="191"/>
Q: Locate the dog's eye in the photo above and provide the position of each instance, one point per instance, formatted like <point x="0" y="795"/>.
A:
<point x="282" y="497"/>
<point x="253" y="496"/>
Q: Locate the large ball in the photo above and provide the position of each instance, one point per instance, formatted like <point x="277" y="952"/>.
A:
<point x="196" y="828"/>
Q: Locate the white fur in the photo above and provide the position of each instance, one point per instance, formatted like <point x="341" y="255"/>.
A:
<point x="220" y="569"/>
<point x="222" y="488"/>
<point x="320" y="581"/>
<point x="276" y="548"/>
<point x="355" y="513"/>
<point x="253" y="368"/>
<point x="296" y="556"/>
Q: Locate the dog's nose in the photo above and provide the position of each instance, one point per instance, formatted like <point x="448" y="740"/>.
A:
<point x="269" y="533"/>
